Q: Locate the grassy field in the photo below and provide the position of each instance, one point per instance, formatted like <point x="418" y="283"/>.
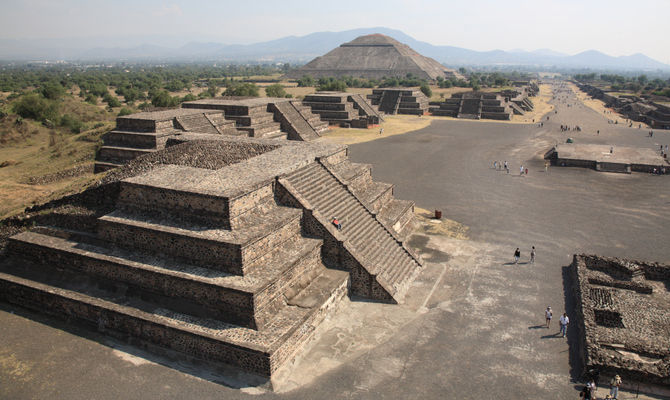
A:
<point x="38" y="164"/>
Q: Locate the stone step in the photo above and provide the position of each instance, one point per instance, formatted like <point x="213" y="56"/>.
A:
<point x="140" y="140"/>
<point x="155" y="194"/>
<point x="376" y="195"/>
<point x="102" y="166"/>
<point x="211" y="247"/>
<point x="121" y="154"/>
<point x="397" y="213"/>
<point x="250" y="300"/>
<point x="260" y="352"/>
<point x="357" y="175"/>
<point x="260" y="129"/>
<point x="379" y="249"/>
<point x="251" y="120"/>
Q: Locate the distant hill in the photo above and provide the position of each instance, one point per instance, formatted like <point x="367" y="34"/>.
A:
<point x="301" y="49"/>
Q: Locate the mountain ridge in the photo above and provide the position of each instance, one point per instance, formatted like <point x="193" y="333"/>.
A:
<point x="301" y="49"/>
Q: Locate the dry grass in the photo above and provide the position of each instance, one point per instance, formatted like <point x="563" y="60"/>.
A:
<point x="541" y="106"/>
<point x="393" y="125"/>
<point x="443" y="227"/>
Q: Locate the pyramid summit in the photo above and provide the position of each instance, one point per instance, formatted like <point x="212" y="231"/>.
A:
<point x="373" y="56"/>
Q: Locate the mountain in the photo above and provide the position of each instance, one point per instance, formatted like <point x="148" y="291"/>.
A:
<point x="300" y="49"/>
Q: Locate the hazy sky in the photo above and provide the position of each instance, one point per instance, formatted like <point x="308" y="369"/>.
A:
<point x="616" y="27"/>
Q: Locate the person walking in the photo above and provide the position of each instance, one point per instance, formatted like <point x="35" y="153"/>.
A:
<point x="564" y="321"/>
<point x="381" y="131"/>
<point x="532" y="255"/>
<point x="521" y="170"/>
<point x="506" y="167"/>
<point x="517" y="255"/>
<point x="547" y="316"/>
<point x="615" y="383"/>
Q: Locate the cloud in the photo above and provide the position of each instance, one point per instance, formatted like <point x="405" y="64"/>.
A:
<point x="171" y="10"/>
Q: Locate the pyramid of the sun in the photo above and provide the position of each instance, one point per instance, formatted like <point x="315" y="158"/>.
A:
<point x="373" y="57"/>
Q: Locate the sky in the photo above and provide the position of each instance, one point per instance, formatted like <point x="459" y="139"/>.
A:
<point x="615" y="27"/>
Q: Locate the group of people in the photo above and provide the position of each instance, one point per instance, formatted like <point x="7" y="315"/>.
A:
<point x="563" y="321"/>
<point x="590" y="389"/>
<point x="565" y="128"/>
<point x="517" y="255"/>
<point x="498" y="166"/>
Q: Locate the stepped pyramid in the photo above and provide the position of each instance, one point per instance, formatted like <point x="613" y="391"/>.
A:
<point x="373" y="56"/>
<point x="218" y="247"/>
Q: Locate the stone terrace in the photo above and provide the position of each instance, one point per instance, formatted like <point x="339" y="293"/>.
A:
<point x="343" y="109"/>
<point x="598" y="157"/>
<point x="235" y="262"/>
<point x="146" y="132"/>
<point x="623" y="317"/>
<point x="399" y="101"/>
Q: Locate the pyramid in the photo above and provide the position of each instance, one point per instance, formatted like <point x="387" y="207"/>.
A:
<point x="373" y="56"/>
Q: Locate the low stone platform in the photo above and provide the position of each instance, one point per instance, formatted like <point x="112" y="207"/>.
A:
<point x="623" y="317"/>
<point x="599" y="157"/>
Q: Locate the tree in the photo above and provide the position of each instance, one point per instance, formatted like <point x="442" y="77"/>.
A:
<point x="36" y="107"/>
<point x="163" y="99"/>
<point x="306" y="81"/>
<point x="275" y="90"/>
<point x="242" y="89"/>
<point x="425" y="89"/>
<point x="52" y="90"/>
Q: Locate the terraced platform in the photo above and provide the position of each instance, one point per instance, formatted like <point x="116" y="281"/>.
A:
<point x="236" y="264"/>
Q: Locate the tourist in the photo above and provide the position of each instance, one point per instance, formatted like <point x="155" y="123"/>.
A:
<point x="521" y="170"/>
<point x="337" y="224"/>
<point x="611" y="149"/>
<point x="564" y="321"/>
<point x="381" y="131"/>
<point x="546" y="166"/>
<point x="615" y="383"/>
<point x="506" y="167"/>
<point x="526" y="171"/>
<point x="495" y="165"/>
<point x="547" y="316"/>
<point x="517" y="255"/>
<point x="586" y="392"/>
<point x="532" y="255"/>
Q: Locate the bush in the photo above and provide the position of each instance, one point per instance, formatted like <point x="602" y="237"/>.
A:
<point x="36" y="107"/>
<point x="275" y="90"/>
<point x="189" y="97"/>
<point x="72" y="123"/>
<point x="52" y="90"/>
<point x="163" y="99"/>
<point x="425" y="89"/>
<point x="242" y="89"/>
<point x="111" y="100"/>
<point x="331" y="84"/>
<point x="306" y="81"/>
<point x="125" y="111"/>
<point x="91" y="98"/>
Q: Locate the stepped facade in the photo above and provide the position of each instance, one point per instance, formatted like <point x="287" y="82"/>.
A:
<point x="474" y="105"/>
<point x="374" y="57"/>
<point x="399" y="101"/>
<point x="343" y="109"/>
<point x="147" y="132"/>
<point x="227" y="255"/>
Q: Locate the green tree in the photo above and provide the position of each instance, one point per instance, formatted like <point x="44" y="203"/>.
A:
<point x="242" y="89"/>
<point x="163" y="99"/>
<point x="125" y="111"/>
<point x="36" y="107"/>
<point x="52" y="90"/>
<point x="306" y="81"/>
<point x="275" y="90"/>
<point x="425" y="89"/>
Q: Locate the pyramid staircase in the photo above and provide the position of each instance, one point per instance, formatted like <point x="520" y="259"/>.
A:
<point x="293" y="122"/>
<point x="385" y="265"/>
<point x="365" y="108"/>
<point x="231" y="280"/>
<point x="389" y="101"/>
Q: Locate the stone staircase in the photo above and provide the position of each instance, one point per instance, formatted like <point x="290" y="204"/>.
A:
<point x="470" y="109"/>
<point x="144" y="133"/>
<point x="314" y="120"/>
<point x="391" y="266"/>
<point x="389" y="102"/>
<point x="242" y="285"/>
<point x="366" y="109"/>
<point x="293" y="122"/>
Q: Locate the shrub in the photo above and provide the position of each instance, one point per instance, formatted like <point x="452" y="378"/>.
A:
<point x="306" y="81"/>
<point x="36" y="107"/>
<point x="163" y="99"/>
<point x="111" y="100"/>
<point x="242" y="89"/>
<point x="275" y="90"/>
<point x="52" y="90"/>
<point x="425" y="89"/>
<point x="125" y="111"/>
<point x="72" y="123"/>
<point x="91" y="98"/>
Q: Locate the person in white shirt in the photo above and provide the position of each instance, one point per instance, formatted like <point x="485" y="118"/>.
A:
<point x="564" y="321"/>
<point x="547" y="315"/>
